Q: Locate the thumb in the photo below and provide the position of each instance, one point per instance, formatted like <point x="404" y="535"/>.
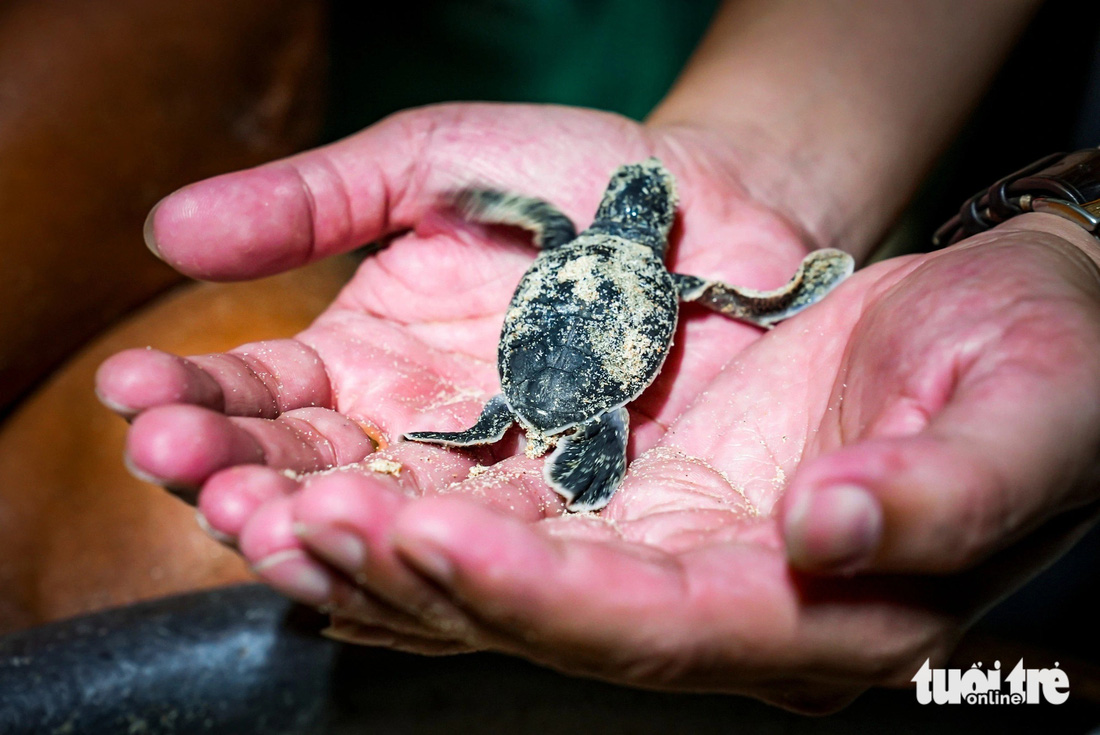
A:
<point x="382" y="181"/>
<point x="332" y="199"/>
<point x="287" y="213"/>
<point x="1009" y="450"/>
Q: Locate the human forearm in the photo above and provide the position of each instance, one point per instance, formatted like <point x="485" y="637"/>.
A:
<point x="836" y="109"/>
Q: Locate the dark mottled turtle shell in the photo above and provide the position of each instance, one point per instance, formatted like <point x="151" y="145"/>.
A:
<point x="588" y="329"/>
<point x="592" y="321"/>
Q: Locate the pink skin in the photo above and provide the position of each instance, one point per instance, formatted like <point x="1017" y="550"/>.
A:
<point x="898" y="428"/>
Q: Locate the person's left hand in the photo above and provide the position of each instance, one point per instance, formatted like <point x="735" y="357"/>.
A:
<point x="931" y="428"/>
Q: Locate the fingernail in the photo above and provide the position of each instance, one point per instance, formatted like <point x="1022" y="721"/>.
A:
<point x="221" y="538"/>
<point x="430" y="560"/>
<point x="342" y="548"/>
<point x="293" y="574"/>
<point x="139" y="473"/>
<point x="834" y="529"/>
<point x="187" y="493"/>
<point x="148" y="231"/>
<point x="126" y="412"/>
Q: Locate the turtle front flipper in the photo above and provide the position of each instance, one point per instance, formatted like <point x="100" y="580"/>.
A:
<point x="550" y="226"/>
<point x="495" y="420"/>
<point x="819" y="273"/>
<point x="588" y="466"/>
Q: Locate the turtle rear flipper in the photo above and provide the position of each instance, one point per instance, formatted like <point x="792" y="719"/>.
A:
<point x="496" y="418"/>
<point x="820" y="272"/>
<point x="588" y="466"/>
<point x="550" y="226"/>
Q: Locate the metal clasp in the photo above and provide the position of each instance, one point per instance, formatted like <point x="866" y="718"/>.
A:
<point x="1084" y="215"/>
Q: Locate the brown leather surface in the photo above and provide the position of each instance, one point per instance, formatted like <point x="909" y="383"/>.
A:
<point x="105" y="107"/>
<point x="77" y="532"/>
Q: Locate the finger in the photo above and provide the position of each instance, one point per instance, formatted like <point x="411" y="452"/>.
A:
<point x="182" y="446"/>
<point x="567" y="600"/>
<point x="262" y="379"/>
<point x="269" y="219"/>
<point x="727" y="617"/>
<point x="346" y="518"/>
<point x="343" y="519"/>
<point x="985" y="470"/>
<point x="333" y="199"/>
<point x="270" y="543"/>
<point x="230" y="498"/>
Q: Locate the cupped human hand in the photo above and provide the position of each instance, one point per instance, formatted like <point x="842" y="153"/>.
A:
<point x="410" y="343"/>
<point x="835" y="506"/>
<point x="900" y="428"/>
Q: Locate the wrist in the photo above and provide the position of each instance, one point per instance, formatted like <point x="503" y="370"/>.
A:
<point x="836" y="111"/>
<point x="1076" y="241"/>
<point x="819" y="199"/>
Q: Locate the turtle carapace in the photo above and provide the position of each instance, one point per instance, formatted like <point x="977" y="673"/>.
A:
<point x="592" y="321"/>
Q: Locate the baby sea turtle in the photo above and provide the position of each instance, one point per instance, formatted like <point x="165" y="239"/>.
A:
<point x="592" y="321"/>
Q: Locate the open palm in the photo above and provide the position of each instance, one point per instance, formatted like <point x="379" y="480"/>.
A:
<point x="683" y="580"/>
<point x="411" y="342"/>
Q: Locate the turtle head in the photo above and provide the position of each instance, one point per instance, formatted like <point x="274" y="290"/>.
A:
<point x="640" y="202"/>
